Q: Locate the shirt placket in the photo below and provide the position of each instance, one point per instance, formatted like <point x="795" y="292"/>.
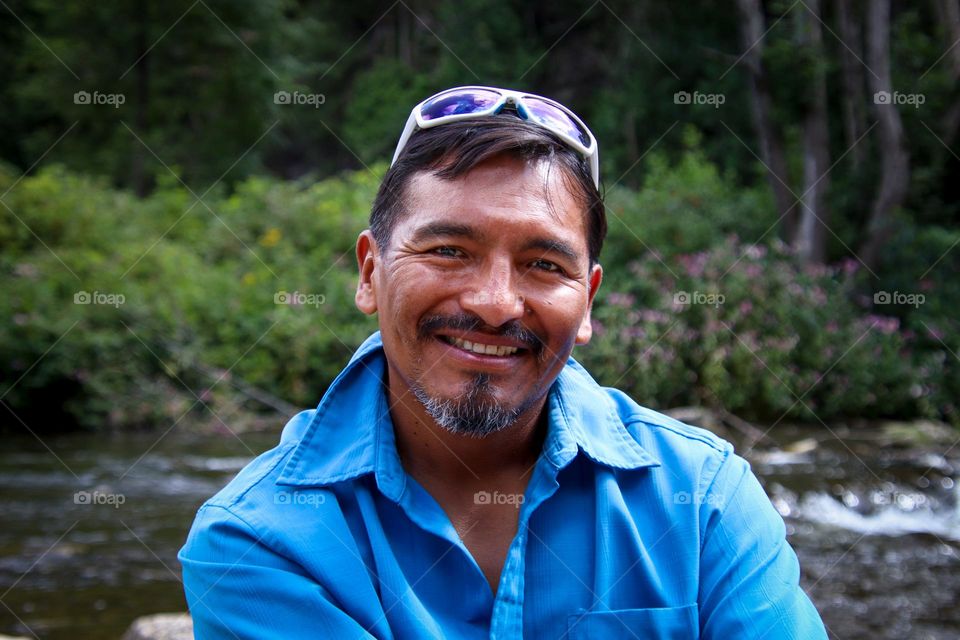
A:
<point x="507" y="619"/>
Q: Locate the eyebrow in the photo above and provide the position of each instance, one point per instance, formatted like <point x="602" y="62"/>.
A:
<point x="433" y="230"/>
<point x="445" y="230"/>
<point x="554" y="246"/>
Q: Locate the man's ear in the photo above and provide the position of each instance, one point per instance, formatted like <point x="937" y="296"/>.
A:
<point x="585" y="331"/>
<point x="368" y="258"/>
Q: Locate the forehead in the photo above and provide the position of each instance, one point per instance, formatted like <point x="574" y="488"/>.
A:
<point x="504" y="195"/>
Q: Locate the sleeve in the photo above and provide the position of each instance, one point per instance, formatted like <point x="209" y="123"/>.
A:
<point x="238" y="588"/>
<point x="749" y="574"/>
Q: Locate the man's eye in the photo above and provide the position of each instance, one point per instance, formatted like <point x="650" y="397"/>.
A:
<point x="449" y="252"/>
<point x="545" y="265"/>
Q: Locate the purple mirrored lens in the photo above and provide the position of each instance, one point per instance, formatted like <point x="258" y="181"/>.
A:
<point x="458" y="102"/>
<point x="553" y="117"/>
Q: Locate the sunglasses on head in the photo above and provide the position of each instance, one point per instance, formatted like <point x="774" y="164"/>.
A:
<point x="463" y="103"/>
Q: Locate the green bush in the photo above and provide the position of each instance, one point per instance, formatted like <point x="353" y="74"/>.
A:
<point x="198" y="283"/>
<point x="747" y="328"/>
<point x="681" y="208"/>
<point x="199" y="320"/>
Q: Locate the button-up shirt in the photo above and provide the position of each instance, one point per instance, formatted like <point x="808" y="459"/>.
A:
<point x="633" y="525"/>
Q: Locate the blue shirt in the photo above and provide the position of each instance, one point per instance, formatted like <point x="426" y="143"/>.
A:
<point x="632" y="525"/>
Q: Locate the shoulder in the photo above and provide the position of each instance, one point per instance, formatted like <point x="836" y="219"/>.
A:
<point x="647" y="423"/>
<point x="658" y="431"/>
<point x="260" y="474"/>
<point x="677" y="445"/>
<point x="255" y="502"/>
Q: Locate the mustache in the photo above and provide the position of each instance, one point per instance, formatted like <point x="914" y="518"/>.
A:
<point x="467" y="322"/>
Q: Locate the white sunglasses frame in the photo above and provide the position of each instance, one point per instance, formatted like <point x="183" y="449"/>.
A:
<point x="507" y="96"/>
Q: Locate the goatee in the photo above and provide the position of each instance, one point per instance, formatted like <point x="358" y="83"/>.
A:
<point x="474" y="413"/>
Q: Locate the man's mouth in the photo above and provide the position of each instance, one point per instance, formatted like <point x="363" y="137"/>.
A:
<point x="479" y="347"/>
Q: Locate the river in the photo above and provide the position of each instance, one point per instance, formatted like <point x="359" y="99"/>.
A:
<point x="92" y="524"/>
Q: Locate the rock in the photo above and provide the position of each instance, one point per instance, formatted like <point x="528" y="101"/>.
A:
<point x="806" y="445"/>
<point x="918" y="433"/>
<point x="161" y="626"/>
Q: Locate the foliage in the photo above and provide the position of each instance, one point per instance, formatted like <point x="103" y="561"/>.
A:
<point x="200" y="316"/>
<point x="178" y="292"/>
<point x="199" y="83"/>
<point x="681" y="208"/>
<point x="749" y="329"/>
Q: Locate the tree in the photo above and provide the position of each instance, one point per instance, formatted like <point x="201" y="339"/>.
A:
<point x="809" y="237"/>
<point x="894" y="157"/>
<point x="752" y="29"/>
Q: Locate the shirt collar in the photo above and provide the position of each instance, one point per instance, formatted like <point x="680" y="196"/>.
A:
<point x="351" y="434"/>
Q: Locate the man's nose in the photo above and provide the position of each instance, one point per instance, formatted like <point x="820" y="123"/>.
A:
<point x="495" y="296"/>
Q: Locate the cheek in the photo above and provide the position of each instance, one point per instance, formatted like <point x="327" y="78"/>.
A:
<point x="410" y="293"/>
<point x="562" y="309"/>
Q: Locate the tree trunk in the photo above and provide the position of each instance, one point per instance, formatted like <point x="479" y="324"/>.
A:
<point x="894" y="159"/>
<point x="948" y="13"/>
<point x="852" y="81"/>
<point x="771" y="142"/>
<point x="811" y="237"/>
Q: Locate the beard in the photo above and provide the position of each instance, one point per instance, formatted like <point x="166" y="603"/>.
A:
<point x="476" y="413"/>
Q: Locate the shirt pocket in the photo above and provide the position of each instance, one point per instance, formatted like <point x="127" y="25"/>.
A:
<point x="647" y="624"/>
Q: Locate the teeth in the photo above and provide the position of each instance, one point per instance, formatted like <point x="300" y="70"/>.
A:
<point x="485" y="349"/>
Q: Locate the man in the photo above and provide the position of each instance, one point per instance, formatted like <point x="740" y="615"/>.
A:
<point x="463" y="477"/>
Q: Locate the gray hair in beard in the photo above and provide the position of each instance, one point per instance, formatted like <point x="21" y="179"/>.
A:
<point x="475" y="413"/>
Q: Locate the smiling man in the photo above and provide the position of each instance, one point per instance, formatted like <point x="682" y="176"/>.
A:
<point x="464" y="477"/>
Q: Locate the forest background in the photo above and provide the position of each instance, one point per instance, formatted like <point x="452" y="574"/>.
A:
<point x="183" y="183"/>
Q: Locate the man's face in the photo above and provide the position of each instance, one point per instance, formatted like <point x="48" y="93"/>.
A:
<point x="481" y="263"/>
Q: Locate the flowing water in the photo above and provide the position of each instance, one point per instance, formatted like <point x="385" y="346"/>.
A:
<point x="91" y="525"/>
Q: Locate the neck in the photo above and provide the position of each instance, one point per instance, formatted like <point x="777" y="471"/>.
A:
<point x="427" y="450"/>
